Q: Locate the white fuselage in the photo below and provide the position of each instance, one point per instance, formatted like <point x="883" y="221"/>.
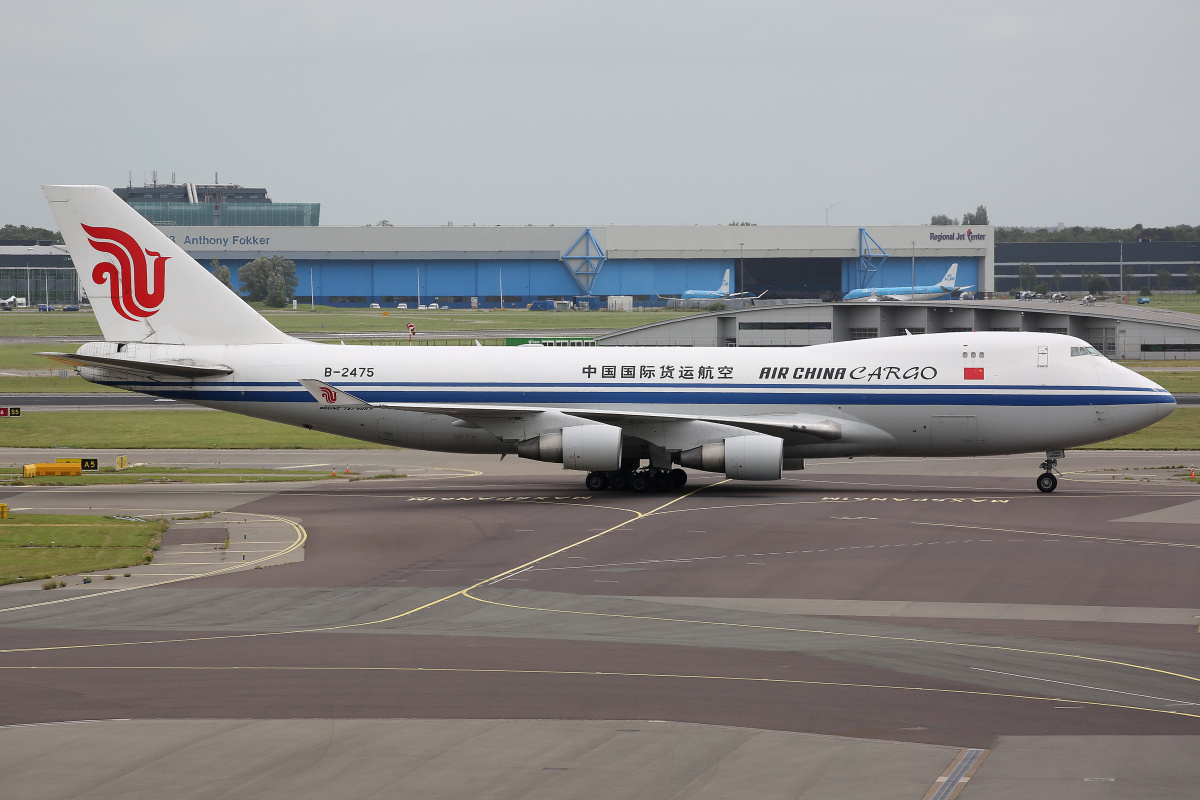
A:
<point x="938" y="394"/>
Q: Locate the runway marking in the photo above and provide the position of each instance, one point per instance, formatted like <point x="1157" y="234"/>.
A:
<point x="848" y="634"/>
<point x="838" y="499"/>
<point x="1085" y="686"/>
<point x="301" y="537"/>
<point x="603" y="674"/>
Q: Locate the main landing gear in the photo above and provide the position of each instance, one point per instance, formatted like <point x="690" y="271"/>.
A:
<point x="649" y="479"/>
<point x="1046" y="482"/>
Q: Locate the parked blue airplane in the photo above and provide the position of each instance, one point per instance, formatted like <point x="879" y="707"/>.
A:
<point x="943" y="287"/>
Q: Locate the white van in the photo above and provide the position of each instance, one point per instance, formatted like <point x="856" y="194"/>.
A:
<point x="402" y="305"/>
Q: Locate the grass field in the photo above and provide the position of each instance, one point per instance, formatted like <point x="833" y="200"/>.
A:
<point x="355" y="320"/>
<point x="72" y="384"/>
<point x="36" y="546"/>
<point x="143" y="429"/>
<point x="1180" y="431"/>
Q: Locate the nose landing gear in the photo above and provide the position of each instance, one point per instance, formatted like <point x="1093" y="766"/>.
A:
<point x="1046" y="482"/>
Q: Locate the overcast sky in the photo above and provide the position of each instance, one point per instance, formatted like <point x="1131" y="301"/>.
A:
<point x="643" y="112"/>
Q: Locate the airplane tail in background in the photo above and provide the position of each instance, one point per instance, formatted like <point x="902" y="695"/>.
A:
<point x="724" y="284"/>
<point x="143" y="287"/>
<point x="951" y="276"/>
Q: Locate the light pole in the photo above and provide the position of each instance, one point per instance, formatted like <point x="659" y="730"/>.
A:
<point x="914" y="271"/>
<point x="1121" y="267"/>
<point x="418" y="287"/>
<point x="741" y="267"/>
<point x="312" y="293"/>
<point x="501" y="268"/>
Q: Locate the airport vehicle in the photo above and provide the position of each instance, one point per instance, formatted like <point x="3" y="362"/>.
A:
<point x="1143" y="301"/>
<point x="940" y="289"/>
<point x="15" y="302"/>
<point x="174" y="331"/>
<point x="45" y="307"/>
<point x="720" y="293"/>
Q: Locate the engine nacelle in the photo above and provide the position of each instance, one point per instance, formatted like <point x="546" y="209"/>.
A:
<point x="594" y="448"/>
<point x="741" y="458"/>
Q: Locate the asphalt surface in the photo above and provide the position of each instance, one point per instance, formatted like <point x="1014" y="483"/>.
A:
<point x="935" y="602"/>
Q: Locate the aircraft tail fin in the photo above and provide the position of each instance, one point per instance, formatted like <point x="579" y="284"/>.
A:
<point x="143" y="286"/>
<point x="724" y="284"/>
<point x="951" y="276"/>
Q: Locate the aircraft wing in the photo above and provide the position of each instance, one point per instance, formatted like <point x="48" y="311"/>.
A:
<point x="792" y="428"/>
<point x="147" y="368"/>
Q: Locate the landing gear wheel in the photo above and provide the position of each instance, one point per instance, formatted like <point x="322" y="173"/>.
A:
<point x="677" y="477"/>
<point x="596" y="482"/>
<point x="1046" y="482"/>
<point x="618" y="481"/>
<point x="639" y="483"/>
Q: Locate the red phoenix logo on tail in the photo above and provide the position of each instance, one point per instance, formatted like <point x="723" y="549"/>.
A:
<point x="329" y="394"/>
<point x="135" y="295"/>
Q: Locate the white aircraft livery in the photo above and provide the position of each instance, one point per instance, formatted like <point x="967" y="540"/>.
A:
<point x="624" y="415"/>
<point x="940" y="289"/>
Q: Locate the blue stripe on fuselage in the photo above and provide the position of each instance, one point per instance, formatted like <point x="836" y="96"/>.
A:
<point x="862" y="396"/>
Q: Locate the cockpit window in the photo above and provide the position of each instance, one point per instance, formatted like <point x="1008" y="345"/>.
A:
<point x="1084" y="351"/>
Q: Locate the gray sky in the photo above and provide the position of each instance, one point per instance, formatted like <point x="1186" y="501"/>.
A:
<point x="645" y="112"/>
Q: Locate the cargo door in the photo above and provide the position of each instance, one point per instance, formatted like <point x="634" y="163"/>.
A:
<point x="957" y="434"/>
<point x="387" y="430"/>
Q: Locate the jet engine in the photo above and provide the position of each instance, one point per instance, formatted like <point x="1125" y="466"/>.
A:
<point x="741" y="458"/>
<point x="595" y="448"/>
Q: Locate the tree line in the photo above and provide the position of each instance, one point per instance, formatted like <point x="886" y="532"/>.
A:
<point x="1095" y="283"/>
<point x="270" y="280"/>
<point x="24" y="233"/>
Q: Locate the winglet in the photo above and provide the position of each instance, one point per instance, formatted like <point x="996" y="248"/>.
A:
<point x="329" y="397"/>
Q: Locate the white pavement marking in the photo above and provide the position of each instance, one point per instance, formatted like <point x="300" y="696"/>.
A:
<point x="1085" y="686"/>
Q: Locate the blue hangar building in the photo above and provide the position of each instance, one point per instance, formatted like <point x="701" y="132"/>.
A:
<point x="461" y="266"/>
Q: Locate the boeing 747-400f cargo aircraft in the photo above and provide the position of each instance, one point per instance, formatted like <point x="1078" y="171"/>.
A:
<point x="626" y="416"/>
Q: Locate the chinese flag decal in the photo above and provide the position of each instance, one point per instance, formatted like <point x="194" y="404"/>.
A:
<point x="972" y="373"/>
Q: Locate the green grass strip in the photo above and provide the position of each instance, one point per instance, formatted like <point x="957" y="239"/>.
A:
<point x="36" y="546"/>
<point x="169" y="430"/>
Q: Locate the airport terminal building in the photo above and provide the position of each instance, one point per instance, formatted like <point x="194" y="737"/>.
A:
<point x="484" y="266"/>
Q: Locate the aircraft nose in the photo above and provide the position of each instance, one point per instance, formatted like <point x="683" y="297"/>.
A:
<point x="1166" y="405"/>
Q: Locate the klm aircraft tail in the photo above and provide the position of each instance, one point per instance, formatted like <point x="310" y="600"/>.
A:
<point x="143" y="287"/>
<point x="951" y="276"/>
<point x="724" y="284"/>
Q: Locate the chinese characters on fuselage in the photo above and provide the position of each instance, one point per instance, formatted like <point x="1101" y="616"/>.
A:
<point x="725" y="373"/>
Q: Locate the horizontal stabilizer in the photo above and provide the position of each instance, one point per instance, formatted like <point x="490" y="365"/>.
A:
<point x="173" y="369"/>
